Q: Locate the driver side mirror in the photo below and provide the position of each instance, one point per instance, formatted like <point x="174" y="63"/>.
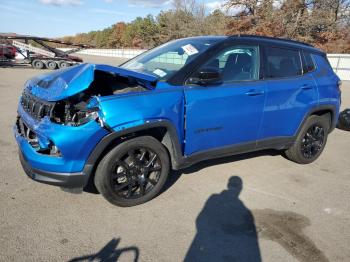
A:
<point x="206" y="76"/>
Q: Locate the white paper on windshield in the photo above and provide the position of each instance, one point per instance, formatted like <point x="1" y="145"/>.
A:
<point x="189" y="49"/>
<point x="159" y="72"/>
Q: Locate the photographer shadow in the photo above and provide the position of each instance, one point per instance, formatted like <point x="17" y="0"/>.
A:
<point x="225" y="229"/>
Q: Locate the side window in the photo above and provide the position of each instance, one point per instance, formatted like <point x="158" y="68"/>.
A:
<point x="236" y="63"/>
<point x="282" y="62"/>
<point x="308" y="63"/>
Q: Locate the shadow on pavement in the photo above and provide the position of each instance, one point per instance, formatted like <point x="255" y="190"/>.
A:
<point x="176" y="174"/>
<point x="225" y="229"/>
<point x="110" y="253"/>
<point x="229" y="159"/>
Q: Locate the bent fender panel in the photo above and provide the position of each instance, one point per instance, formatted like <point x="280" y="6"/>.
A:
<point x="131" y="110"/>
<point x="175" y="150"/>
<point x="130" y="113"/>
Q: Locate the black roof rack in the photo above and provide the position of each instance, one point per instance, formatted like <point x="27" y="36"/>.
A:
<point x="273" y="38"/>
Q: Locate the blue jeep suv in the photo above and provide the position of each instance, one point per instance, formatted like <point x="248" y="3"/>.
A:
<point x="124" y="128"/>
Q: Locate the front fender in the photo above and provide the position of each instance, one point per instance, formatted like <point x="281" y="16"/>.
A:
<point x="125" y="111"/>
<point x="171" y="141"/>
<point x="128" y="113"/>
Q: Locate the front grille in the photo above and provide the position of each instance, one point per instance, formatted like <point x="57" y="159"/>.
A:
<point x="36" y="107"/>
<point x="25" y="131"/>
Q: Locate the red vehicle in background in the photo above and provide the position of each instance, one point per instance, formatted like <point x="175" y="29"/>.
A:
<point x="7" y="51"/>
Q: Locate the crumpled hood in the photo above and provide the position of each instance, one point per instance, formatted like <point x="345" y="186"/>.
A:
<point x="63" y="83"/>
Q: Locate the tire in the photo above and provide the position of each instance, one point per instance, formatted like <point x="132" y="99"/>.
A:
<point x="310" y="141"/>
<point x="344" y="120"/>
<point x="122" y="176"/>
<point x="38" y="64"/>
<point x="63" y="64"/>
<point x="51" y="65"/>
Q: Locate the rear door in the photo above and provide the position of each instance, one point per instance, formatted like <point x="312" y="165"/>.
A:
<point x="228" y="113"/>
<point x="291" y="92"/>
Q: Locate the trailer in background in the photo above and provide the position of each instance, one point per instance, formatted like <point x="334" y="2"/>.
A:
<point x="42" y="55"/>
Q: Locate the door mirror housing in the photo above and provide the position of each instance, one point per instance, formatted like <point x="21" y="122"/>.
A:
<point x="206" y="76"/>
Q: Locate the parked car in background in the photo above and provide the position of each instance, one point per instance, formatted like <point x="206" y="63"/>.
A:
<point x="124" y="128"/>
<point x="7" y="51"/>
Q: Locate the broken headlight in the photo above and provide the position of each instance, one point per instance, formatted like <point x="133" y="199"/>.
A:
<point x="82" y="117"/>
<point x="74" y="114"/>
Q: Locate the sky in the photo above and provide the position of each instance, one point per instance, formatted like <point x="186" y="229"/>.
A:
<point x="56" y="18"/>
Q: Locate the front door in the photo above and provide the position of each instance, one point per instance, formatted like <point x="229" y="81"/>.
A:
<point x="229" y="113"/>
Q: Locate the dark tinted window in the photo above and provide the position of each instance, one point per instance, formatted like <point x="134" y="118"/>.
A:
<point x="308" y="65"/>
<point x="282" y="62"/>
<point x="236" y="63"/>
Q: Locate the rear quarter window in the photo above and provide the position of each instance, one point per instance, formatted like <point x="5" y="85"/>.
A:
<point x="323" y="62"/>
<point x="308" y="63"/>
<point x="282" y="62"/>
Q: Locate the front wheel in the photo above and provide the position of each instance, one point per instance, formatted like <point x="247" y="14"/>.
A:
<point x="133" y="172"/>
<point x="310" y="141"/>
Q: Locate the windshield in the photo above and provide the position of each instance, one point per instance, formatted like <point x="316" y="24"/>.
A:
<point x="165" y="60"/>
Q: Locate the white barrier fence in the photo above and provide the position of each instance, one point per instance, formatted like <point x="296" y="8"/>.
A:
<point x="339" y="62"/>
<point x="341" y="65"/>
<point x="123" y="53"/>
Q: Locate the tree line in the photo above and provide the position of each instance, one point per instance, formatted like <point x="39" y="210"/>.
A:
<point x="322" y="23"/>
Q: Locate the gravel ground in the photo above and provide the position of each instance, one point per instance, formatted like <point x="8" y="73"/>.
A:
<point x="273" y="210"/>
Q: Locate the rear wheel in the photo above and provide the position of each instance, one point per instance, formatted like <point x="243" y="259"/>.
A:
<point x="133" y="172"/>
<point x="310" y="141"/>
<point x="38" y="64"/>
<point x="63" y="64"/>
<point x="51" y="65"/>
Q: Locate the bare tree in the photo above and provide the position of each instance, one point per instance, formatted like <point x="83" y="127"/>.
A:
<point x="249" y="7"/>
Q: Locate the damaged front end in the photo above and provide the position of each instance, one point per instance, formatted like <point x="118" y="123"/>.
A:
<point x="60" y="120"/>
<point x="71" y="97"/>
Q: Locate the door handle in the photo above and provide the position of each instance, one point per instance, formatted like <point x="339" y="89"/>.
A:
<point x="306" y="87"/>
<point x="254" y="92"/>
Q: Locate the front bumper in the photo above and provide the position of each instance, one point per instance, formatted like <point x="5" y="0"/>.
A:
<point x="68" y="169"/>
<point x="65" y="180"/>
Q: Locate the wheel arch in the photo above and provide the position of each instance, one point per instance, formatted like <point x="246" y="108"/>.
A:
<point x="163" y="130"/>
<point x="322" y="110"/>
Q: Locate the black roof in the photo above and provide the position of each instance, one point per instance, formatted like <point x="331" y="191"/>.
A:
<point x="277" y="40"/>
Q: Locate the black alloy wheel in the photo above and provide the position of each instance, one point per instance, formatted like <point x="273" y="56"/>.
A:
<point x="133" y="172"/>
<point x="313" y="141"/>
<point x="136" y="173"/>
